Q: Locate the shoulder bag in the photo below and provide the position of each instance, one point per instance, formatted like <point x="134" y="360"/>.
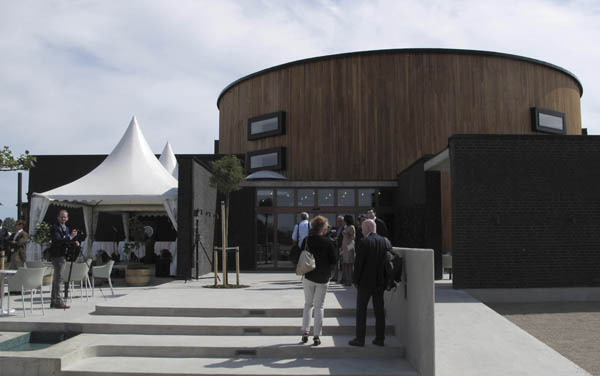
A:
<point x="306" y="261"/>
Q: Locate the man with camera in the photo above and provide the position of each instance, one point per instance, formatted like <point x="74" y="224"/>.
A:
<point x="62" y="241"/>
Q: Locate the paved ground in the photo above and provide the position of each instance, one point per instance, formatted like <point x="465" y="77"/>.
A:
<point x="471" y="338"/>
<point x="571" y="328"/>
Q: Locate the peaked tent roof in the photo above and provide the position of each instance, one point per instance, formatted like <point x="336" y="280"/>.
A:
<point x="168" y="160"/>
<point x="131" y="174"/>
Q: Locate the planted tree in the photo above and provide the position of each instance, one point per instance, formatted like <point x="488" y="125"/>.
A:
<point x="227" y="176"/>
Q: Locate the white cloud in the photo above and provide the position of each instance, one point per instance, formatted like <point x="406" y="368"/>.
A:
<point x="72" y="73"/>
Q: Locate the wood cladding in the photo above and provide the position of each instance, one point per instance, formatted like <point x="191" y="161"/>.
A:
<point x="367" y="117"/>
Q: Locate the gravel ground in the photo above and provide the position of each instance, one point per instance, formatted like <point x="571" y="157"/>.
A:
<point x="571" y="328"/>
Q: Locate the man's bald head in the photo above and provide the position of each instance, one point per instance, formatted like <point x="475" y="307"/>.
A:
<point x="368" y="226"/>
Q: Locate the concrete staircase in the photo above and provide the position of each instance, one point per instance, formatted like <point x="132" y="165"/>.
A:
<point x="231" y="341"/>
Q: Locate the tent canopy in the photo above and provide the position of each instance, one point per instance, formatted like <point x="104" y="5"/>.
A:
<point x="168" y="160"/>
<point x="130" y="179"/>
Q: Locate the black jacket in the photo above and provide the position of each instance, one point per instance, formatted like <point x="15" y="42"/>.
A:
<point x="368" y="264"/>
<point x="323" y="249"/>
<point x="3" y="238"/>
<point x="60" y="241"/>
<point x="381" y="228"/>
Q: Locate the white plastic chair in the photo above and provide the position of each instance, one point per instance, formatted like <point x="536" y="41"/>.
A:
<point x="103" y="271"/>
<point x="29" y="279"/>
<point x="78" y="274"/>
<point x="41" y="264"/>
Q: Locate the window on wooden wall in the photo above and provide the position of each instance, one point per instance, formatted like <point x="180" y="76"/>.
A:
<point x="266" y="125"/>
<point x="548" y="121"/>
<point x="267" y="159"/>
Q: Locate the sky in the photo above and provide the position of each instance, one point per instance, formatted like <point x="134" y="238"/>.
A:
<point x="73" y="73"/>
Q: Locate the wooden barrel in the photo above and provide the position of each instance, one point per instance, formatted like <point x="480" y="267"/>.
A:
<point x="138" y="275"/>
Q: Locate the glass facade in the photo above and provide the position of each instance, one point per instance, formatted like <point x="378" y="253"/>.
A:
<point x="278" y="210"/>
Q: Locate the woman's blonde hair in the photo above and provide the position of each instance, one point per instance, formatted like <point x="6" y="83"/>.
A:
<point x="317" y="224"/>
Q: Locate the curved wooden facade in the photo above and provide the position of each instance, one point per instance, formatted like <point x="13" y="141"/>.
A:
<point x="369" y="115"/>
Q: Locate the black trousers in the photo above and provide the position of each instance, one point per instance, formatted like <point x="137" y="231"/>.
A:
<point x="362" y="300"/>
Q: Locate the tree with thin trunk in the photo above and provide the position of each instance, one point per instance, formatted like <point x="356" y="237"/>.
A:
<point x="227" y="177"/>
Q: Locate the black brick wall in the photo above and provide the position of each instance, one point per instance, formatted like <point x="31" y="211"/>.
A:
<point x="525" y="211"/>
<point x="417" y="210"/>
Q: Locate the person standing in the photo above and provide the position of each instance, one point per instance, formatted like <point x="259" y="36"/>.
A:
<point x="17" y="244"/>
<point x="336" y="274"/>
<point x="62" y="239"/>
<point x="381" y="226"/>
<point x="316" y="281"/>
<point x="370" y="282"/>
<point x="347" y="250"/>
<point x="301" y="229"/>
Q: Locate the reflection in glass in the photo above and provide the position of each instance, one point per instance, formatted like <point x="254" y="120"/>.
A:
<point x="306" y="197"/>
<point x="264" y="238"/>
<point x="264" y="197"/>
<point x="345" y="197"/>
<point x="285" y="197"/>
<point x="285" y="227"/>
<point x="263" y="160"/>
<point x="330" y="218"/>
<point x="325" y="197"/>
<point x="262" y="126"/>
<point x="366" y="197"/>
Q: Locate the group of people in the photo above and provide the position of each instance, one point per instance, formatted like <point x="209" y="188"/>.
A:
<point x="361" y="254"/>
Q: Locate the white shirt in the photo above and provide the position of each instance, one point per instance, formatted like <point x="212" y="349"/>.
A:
<point x="302" y="230"/>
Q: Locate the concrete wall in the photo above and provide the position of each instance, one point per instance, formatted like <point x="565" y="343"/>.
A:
<point x="410" y="308"/>
<point x="205" y="198"/>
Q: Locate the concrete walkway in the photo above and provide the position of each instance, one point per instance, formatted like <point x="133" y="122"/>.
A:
<point x="471" y="339"/>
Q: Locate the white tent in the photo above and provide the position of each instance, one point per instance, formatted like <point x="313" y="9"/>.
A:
<point x="168" y="160"/>
<point x="130" y="179"/>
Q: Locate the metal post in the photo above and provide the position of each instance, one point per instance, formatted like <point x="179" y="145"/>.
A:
<point x="224" y="244"/>
<point x="196" y="243"/>
<point x="215" y="264"/>
<point x="237" y="266"/>
<point x="19" y="194"/>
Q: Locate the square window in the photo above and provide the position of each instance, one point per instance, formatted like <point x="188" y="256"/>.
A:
<point x="325" y="197"/>
<point x="285" y="197"/>
<point x="306" y="197"/>
<point x="345" y="197"/>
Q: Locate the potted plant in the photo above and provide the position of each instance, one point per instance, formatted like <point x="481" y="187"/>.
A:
<point x="136" y="274"/>
<point x="42" y="236"/>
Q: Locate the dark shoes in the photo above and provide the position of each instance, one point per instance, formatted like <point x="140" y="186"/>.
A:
<point x="59" y="305"/>
<point x="304" y="337"/>
<point x="317" y="341"/>
<point x="378" y="342"/>
<point x="356" y="342"/>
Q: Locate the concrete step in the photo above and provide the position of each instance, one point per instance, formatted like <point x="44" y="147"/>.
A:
<point x="231" y="355"/>
<point x="193" y="325"/>
<point x="293" y="366"/>
<point x="188" y="346"/>
<point x="121" y="310"/>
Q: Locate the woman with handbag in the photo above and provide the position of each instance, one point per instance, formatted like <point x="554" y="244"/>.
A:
<point x="315" y="282"/>
<point x="347" y="250"/>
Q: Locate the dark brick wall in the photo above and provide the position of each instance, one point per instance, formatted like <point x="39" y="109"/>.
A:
<point x="525" y="211"/>
<point x="417" y="210"/>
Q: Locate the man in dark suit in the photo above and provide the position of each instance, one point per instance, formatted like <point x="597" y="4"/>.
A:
<point x="61" y="241"/>
<point x="17" y="244"/>
<point x="369" y="280"/>
<point x="381" y="226"/>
